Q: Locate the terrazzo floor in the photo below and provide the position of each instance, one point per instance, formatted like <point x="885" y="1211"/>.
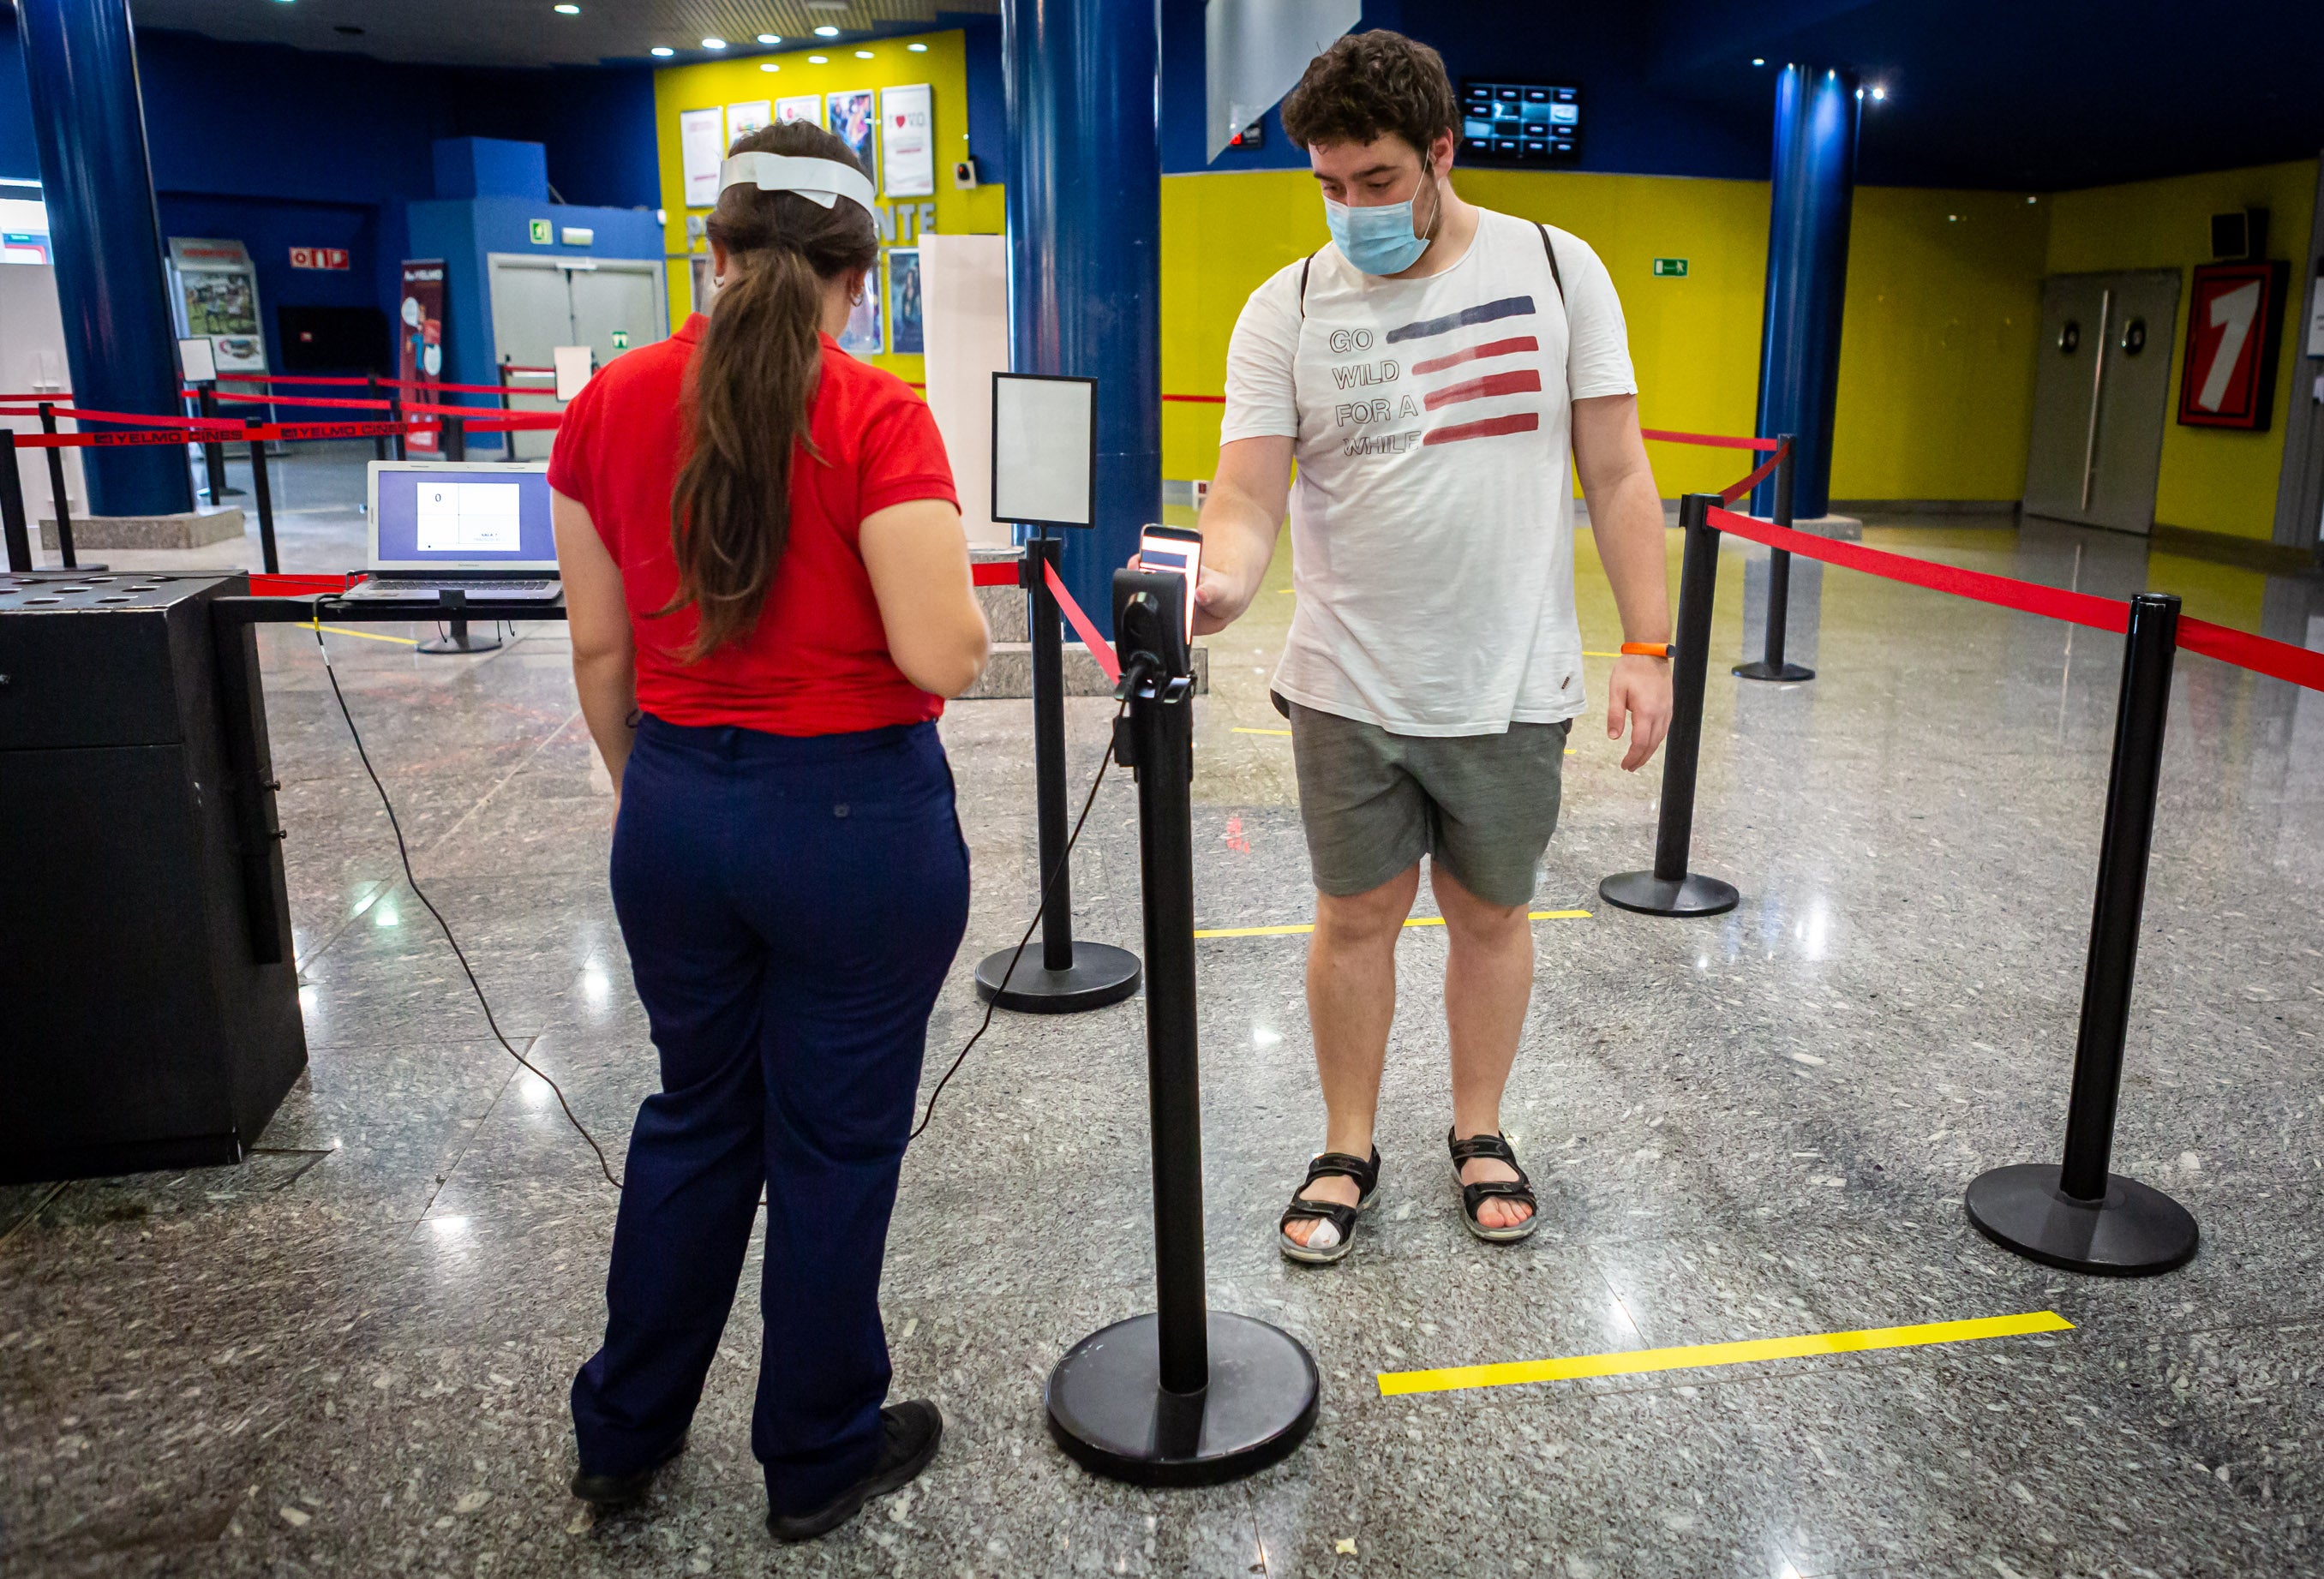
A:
<point x="349" y="1353"/>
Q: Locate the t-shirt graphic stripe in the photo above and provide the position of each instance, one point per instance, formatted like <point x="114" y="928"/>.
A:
<point x="1525" y="381"/>
<point x="1488" y="427"/>
<point x="1476" y="354"/>
<point x="1509" y="307"/>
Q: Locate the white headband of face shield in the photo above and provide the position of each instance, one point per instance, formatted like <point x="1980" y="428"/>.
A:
<point x="818" y="180"/>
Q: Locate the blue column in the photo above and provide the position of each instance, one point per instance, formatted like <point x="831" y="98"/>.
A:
<point x="1816" y="113"/>
<point x="81" y="67"/>
<point x="1084" y="204"/>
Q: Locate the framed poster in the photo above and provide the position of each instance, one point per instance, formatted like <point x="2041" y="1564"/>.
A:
<point x="907" y="327"/>
<point x="701" y="148"/>
<point x="743" y="119"/>
<point x="907" y="150"/>
<point x="216" y="297"/>
<point x="850" y="121"/>
<point x="420" y="335"/>
<point x="1044" y="450"/>
<point x="699" y="278"/>
<point x="2234" y="329"/>
<point x="861" y="336"/>
<point x="806" y="106"/>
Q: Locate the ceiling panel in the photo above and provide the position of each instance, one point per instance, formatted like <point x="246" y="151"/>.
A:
<point x="530" y="33"/>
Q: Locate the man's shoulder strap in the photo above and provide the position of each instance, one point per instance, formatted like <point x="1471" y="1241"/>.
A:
<point x="1305" y="264"/>
<point x="1555" y="278"/>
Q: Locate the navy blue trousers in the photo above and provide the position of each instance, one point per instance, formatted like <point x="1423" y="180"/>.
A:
<point x="792" y="906"/>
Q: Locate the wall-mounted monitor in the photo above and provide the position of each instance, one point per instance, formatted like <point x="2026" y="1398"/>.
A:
<point x="1520" y="123"/>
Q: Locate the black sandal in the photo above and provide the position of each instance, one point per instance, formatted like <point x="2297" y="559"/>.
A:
<point x="1472" y="1196"/>
<point x="1329" y="1165"/>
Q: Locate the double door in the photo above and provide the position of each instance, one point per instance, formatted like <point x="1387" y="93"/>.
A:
<point x="2102" y="396"/>
<point x="610" y="305"/>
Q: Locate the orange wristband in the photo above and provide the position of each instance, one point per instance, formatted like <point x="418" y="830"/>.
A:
<point x="1648" y="649"/>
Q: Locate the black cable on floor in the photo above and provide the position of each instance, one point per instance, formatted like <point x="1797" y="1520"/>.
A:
<point x="404" y="852"/>
<point x="1048" y="885"/>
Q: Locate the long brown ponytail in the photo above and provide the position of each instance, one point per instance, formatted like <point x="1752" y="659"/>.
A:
<point x="752" y="382"/>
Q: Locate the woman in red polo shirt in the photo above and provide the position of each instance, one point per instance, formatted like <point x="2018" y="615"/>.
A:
<point x="768" y="593"/>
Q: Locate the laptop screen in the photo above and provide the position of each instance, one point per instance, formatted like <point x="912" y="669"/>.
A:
<point x="482" y="515"/>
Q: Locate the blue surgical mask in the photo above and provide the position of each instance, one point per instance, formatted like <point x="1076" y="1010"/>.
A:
<point x="1377" y="240"/>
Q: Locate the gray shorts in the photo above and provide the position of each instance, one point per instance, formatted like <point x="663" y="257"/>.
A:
<point x="1480" y="806"/>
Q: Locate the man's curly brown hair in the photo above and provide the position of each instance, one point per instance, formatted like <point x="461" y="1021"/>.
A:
<point x="1368" y="84"/>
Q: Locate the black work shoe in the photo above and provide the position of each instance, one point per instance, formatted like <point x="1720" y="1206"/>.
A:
<point x="909" y="1435"/>
<point x="619" y="1490"/>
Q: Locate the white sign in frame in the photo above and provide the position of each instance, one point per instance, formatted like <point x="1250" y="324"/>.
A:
<point x="908" y="136"/>
<point x="1044" y="450"/>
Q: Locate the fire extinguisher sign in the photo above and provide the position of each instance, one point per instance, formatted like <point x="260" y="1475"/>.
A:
<point x="319" y="257"/>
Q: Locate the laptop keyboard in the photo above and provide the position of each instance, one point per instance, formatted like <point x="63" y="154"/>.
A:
<point x="475" y="589"/>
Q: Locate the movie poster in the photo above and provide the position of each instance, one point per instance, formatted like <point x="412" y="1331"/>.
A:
<point x="806" y="106"/>
<point x="420" y="338"/>
<point x="862" y="336"/>
<point x="906" y="332"/>
<point x="218" y="300"/>
<point x="743" y="119"/>
<point x="907" y="141"/>
<point x="854" y="123"/>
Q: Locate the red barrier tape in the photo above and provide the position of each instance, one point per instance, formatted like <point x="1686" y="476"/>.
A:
<point x="1715" y="440"/>
<point x="332" y="401"/>
<point x="251" y="378"/>
<point x="2279" y="659"/>
<point x="2056" y="603"/>
<point x="297" y="586"/>
<point x="1735" y="490"/>
<point x="294" y="432"/>
<point x="1099" y="647"/>
<point x="369" y="383"/>
<point x="1199" y="400"/>
<point x="132" y="418"/>
<point x="994" y="573"/>
<point x="92" y="441"/>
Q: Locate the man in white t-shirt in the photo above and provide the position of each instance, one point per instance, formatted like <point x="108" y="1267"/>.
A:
<point x="1428" y="372"/>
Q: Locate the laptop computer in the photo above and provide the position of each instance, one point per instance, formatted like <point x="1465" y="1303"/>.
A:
<point x="478" y="527"/>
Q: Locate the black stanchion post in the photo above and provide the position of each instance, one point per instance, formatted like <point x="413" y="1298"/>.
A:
<point x="57" y="499"/>
<point x="13" y="528"/>
<point x="1670" y="889"/>
<point x="1185" y="1396"/>
<point x="212" y="448"/>
<point x="1069" y="976"/>
<point x="378" y="440"/>
<point x="2077" y="1214"/>
<point x="453" y="437"/>
<point x="1771" y="665"/>
<point x="263" y="489"/>
<point x="395" y="415"/>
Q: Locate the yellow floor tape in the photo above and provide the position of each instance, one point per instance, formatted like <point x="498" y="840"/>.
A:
<point x="1240" y="731"/>
<point x="1393" y="1383"/>
<point x="366" y="635"/>
<point x="1309" y="926"/>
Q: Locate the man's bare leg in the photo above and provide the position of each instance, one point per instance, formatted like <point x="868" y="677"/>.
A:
<point x="1350" y="1004"/>
<point x="1488" y="983"/>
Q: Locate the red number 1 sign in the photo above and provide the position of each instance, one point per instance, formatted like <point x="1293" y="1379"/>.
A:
<point x="2234" y="321"/>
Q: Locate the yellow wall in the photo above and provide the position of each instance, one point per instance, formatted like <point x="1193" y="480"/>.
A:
<point x="1936" y="346"/>
<point x="701" y="86"/>
<point x="2212" y="480"/>
<point x="1936" y="360"/>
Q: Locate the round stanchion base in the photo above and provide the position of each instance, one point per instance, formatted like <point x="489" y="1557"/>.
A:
<point x="1099" y="974"/>
<point x="446" y="644"/>
<point x="1692" y="894"/>
<point x="2136" y="1232"/>
<point x="1108" y="1412"/>
<point x="1763" y="671"/>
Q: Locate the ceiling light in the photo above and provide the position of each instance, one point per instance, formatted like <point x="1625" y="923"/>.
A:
<point x="826" y="32"/>
<point x="770" y="38"/>
<point x="768" y="66"/>
<point x="1759" y="60"/>
<point x="917" y="48"/>
<point x="664" y="52"/>
<point x="1879" y="93"/>
<point x="567" y="10"/>
<point x="714" y="43"/>
<point x="864" y="54"/>
<point x="818" y="59"/>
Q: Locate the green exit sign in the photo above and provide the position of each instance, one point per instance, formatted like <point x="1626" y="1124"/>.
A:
<point x="539" y="229"/>
<point x="1670" y="268"/>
